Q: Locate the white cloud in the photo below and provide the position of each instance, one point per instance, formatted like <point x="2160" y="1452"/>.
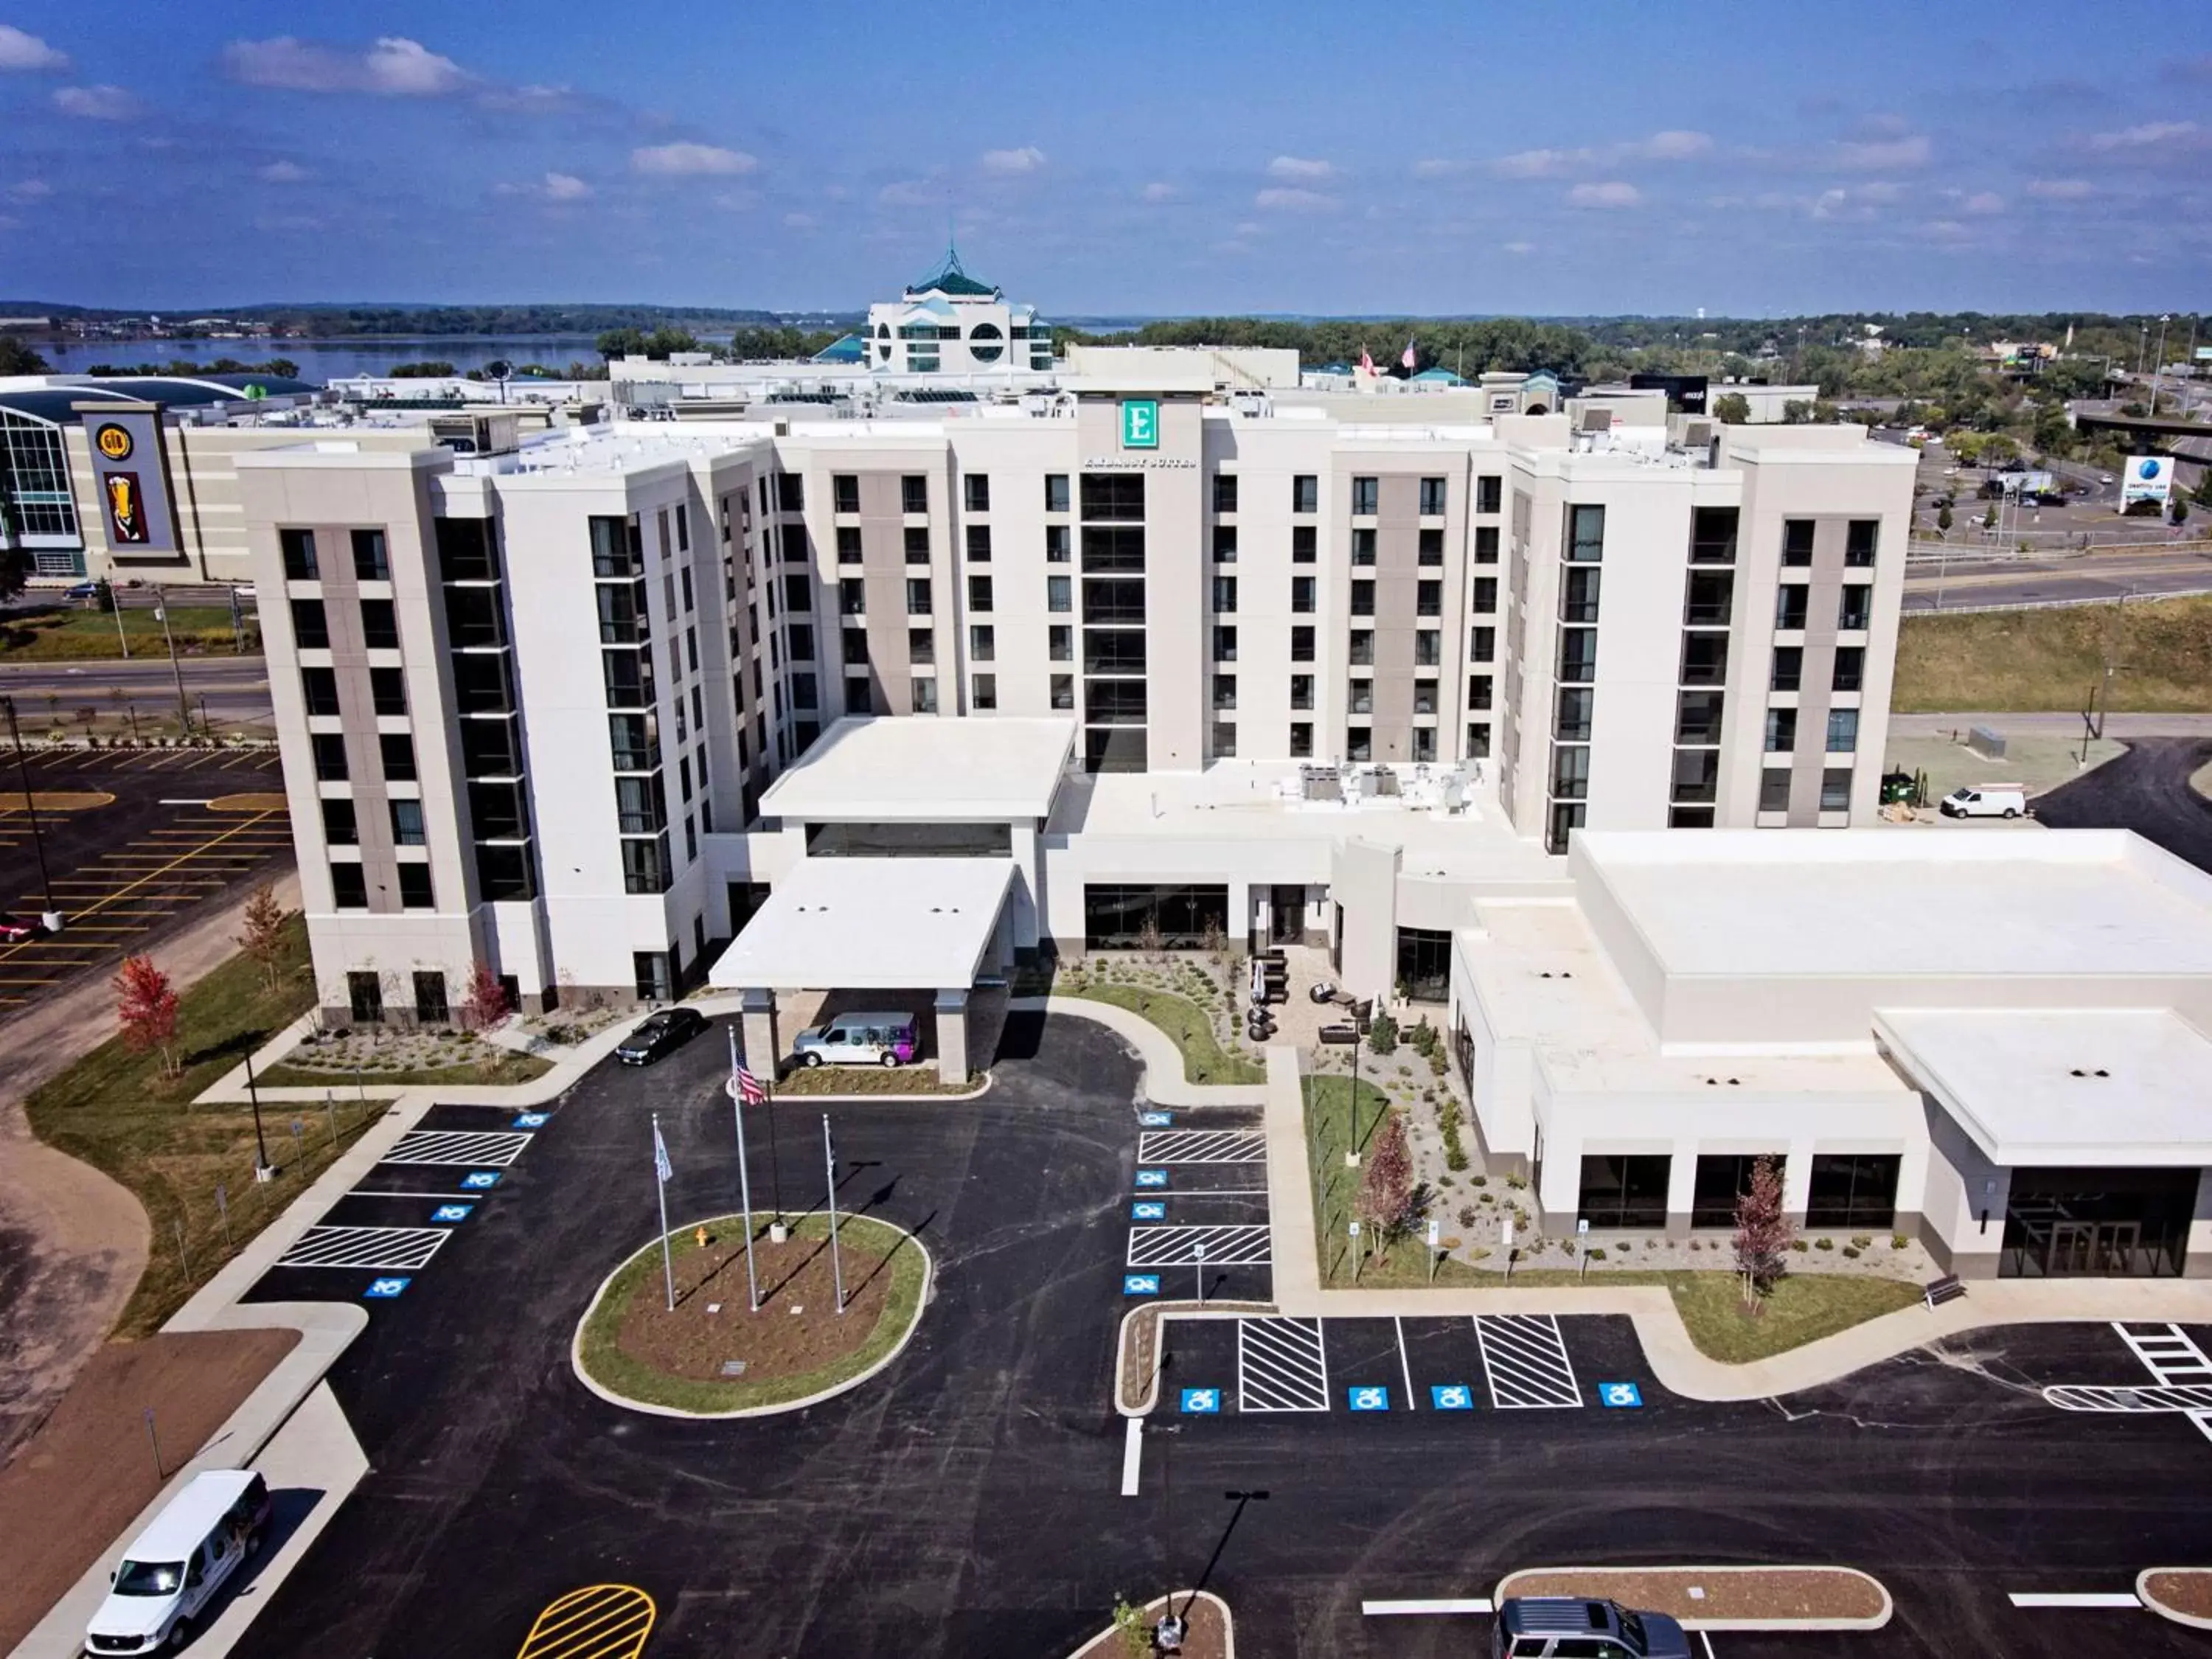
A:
<point x="1157" y="192"/>
<point x="101" y="103"/>
<point x="19" y="51"/>
<point x="393" y="67"/>
<point x="2060" y="189"/>
<point x="1298" y="169"/>
<point x="565" y="187"/>
<point x="1672" y="145"/>
<point x="1439" y="167"/>
<point x="683" y="159"/>
<point x="2141" y="137"/>
<point x="799" y="220"/>
<point x="1884" y="127"/>
<point x="283" y="173"/>
<point x="1613" y="193"/>
<point x="912" y="192"/>
<point x="30" y="190"/>
<point x="1986" y="201"/>
<point x="1829" y="204"/>
<point x="1295" y="201"/>
<point x="1028" y="159"/>
<point x="1540" y="163"/>
<point x="1248" y="228"/>
<point x="1518" y="249"/>
<point x="1881" y="154"/>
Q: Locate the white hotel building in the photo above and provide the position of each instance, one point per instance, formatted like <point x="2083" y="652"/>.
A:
<point x="880" y="705"/>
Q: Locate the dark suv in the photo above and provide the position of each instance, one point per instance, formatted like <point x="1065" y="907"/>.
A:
<point x="1569" y="1627"/>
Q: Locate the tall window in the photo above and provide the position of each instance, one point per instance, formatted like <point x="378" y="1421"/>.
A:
<point x="299" y="550"/>
<point x="1432" y="498"/>
<point x="914" y="493"/>
<point x="1366" y="494"/>
<point x="1224" y="492"/>
<point x="974" y="494"/>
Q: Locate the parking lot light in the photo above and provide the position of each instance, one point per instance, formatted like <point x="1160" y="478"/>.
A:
<point x="51" y="919"/>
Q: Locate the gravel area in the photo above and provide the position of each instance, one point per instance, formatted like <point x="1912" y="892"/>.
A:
<point x="2184" y="1592"/>
<point x="1717" y="1597"/>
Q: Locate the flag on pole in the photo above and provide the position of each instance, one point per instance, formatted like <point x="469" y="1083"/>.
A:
<point x="750" y="1089"/>
<point x="1408" y="359"/>
<point x="661" y="1166"/>
<point x="1366" y="362"/>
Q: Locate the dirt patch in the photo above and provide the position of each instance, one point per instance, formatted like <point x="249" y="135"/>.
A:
<point x="1207" y="1635"/>
<point x="251" y="800"/>
<point x="2179" y="1592"/>
<point x="74" y="1484"/>
<point x="798" y="1328"/>
<point x="1715" y="1598"/>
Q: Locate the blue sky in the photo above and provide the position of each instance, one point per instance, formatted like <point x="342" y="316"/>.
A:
<point x="1134" y="158"/>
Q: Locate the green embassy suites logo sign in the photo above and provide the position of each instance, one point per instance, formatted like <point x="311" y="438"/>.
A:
<point x="1140" y="423"/>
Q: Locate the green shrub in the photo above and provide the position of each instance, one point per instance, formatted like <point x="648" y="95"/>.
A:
<point x="1517" y="1182"/>
<point x="1861" y="1241"/>
<point x="1481" y="1180"/>
<point x="1824" y="1244"/>
<point x="1851" y="1252"/>
<point x="1595" y="1254"/>
<point x="1798" y="1244"/>
<point x="1898" y="1241"/>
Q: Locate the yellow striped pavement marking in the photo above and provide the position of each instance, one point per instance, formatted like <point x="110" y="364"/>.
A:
<point x="600" y="1622"/>
<point x="11" y="951"/>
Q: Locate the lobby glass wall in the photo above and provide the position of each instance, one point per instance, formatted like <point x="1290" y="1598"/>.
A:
<point x="1722" y="1180"/>
<point x="1853" y="1190"/>
<point x="2102" y="1223"/>
<point x="1425" y="965"/>
<point x="1118" y="918"/>
<point x="1623" y="1191"/>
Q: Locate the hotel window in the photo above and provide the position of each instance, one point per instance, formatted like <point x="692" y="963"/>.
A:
<point x="974" y="494"/>
<point x="1571" y="720"/>
<point x="855" y="644"/>
<point x="917" y="543"/>
<point x="1781" y="730"/>
<point x="1585" y="535"/>
<point x="1059" y="593"/>
<point x="1479" y="691"/>
<point x="1843" y="731"/>
<point x="1836" y="789"/>
<point x="845" y="492"/>
<point x="1428" y="648"/>
<point x="1424" y="741"/>
<point x="1850" y="668"/>
<point x="1301" y="739"/>
<point x="1774" y="789"/>
<point x="1362" y="598"/>
<point x="1224" y="595"/>
<point x="396" y="749"/>
<point x="1796" y="541"/>
<point x="1710" y="600"/>
<point x="979" y="543"/>
<point x="848" y="544"/>
<point x="1489" y="494"/>
<point x="1061" y="643"/>
<point x="859" y="697"/>
<point x="920" y="645"/>
<point x="851" y="597"/>
<point x="1859" y="543"/>
<point x="299" y="548"/>
<point x="1697" y="717"/>
<point x="311" y="625"/>
<point x="350" y="892"/>
<point x="1570" y="771"/>
<point x="407" y="823"/>
<point x="1366" y="493"/>
<point x="1712" y="535"/>
<point x="1224" y="739"/>
<point x="1224" y="690"/>
<point x="1486" y="543"/>
<point x="1361" y="653"/>
<point x="1577" y="656"/>
<point x="1477" y="740"/>
<point x="1302" y="595"/>
<point x="802" y="642"/>
<point x="914" y="493"/>
<point x="1362" y="547"/>
<point x="1481" y="644"/>
<point x="1301" y="644"/>
<point x="1225" y="543"/>
<point x="987" y="690"/>
<point x="387" y="690"/>
<point x="1304" y="543"/>
<point x="1790" y="606"/>
<point x="1056" y="492"/>
<point x="1359" y="697"/>
<point x="925" y="696"/>
<point x="1224" y="492"/>
<point x="370" y="564"/>
<point x="1358" y="742"/>
<point x="983" y="642"/>
<point x="1485" y="595"/>
<point x="1788" y="667"/>
<point x="805" y="694"/>
<point x="1225" y="644"/>
<point x="319" y="686"/>
<point x="1432" y="547"/>
<point x="1058" y="543"/>
<point x="1063" y="691"/>
<point x="790" y="493"/>
<point x="340" y="827"/>
<point x="917" y="596"/>
<point x="1854" y="608"/>
<point x="1432" y="498"/>
<point x="1301" y="690"/>
<point x="1305" y="493"/>
<point x="1424" y="699"/>
<point x="979" y="593"/>
<point x="1428" y="598"/>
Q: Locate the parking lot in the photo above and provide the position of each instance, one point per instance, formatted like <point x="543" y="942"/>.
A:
<point x="135" y="842"/>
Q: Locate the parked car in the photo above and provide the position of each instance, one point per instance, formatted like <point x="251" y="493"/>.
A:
<point x="15" y="930"/>
<point x="1991" y="801"/>
<point x="859" y="1039"/>
<point x="82" y="590"/>
<point x="1556" y="1627"/>
<point x="660" y="1034"/>
<point x="172" y="1570"/>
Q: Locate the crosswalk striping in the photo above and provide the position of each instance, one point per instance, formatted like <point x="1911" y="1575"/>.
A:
<point x="1202" y="1146"/>
<point x="481" y="1148"/>
<point x="381" y="1249"/>
<point x="2194" y="1399"/>
<point x="1526" y="1359"/>
<point x="1282" y="1365"/>
<point x="1181" y="1246"/>
<point x="2169" y="1354"/>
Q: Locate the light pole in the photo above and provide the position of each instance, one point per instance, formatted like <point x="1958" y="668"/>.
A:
<point x="1172" y="1629"/>
<point x="183" y="708"/>
<point x="2158" y="363"/>
<point x="52" y="917"/>
<point x="262" y="1169"/>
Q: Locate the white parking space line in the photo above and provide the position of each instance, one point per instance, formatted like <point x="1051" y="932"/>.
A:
<point x="1132" y="1453"/>
<point x="1425" y="1604"/>
<point x="384" y="1249"/>
<point x="1202" y="1146"/>
<point x="1526" y="1361"/>
<point x="1282" y="1365"/>
<point x="1179" y="1246"/>
<point x="496" y="1148"/>
<point x="2087" y="1599"/>
<point x="1405" y="1365"/>
<point x="2173" y="1358"/>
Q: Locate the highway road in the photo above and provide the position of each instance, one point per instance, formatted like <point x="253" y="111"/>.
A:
<point x="235" y="689"/>
<point x="1933" y="586"/>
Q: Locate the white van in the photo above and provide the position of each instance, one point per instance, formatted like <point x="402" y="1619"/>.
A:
<point x="1991" y="801"/>
<point x="862" y="1039"/>
<point x="172" y="1570"/>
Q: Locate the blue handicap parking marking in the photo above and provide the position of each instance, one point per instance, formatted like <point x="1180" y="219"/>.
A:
<point x="533" y="1120"/>
<point x="1451" y="1397"/>
<point x="1204" y="1402"/>
<point x="1155" y="1120"/>
<point x="1152" y="1177"/>
<point x="1619" y="1394"/>
<point x="1140" y="1284"/>
<point x="452" y="1212"/>
<point x="1148" y="1211"/>
<point x="386" y="1288"/>
<point x="480" y="1181"/>
<point x="1370" y="1400"/>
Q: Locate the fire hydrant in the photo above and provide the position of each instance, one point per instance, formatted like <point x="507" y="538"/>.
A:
<point x="699" y="1237"/>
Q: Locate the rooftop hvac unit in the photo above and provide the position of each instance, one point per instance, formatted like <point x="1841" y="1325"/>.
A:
<point x="1695" y="434"/>
<point x="1595" y="420"/>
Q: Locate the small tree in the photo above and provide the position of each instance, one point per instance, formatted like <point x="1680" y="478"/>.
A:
<point x="1151" y="940"/>
<point x="1383" y="1033"/>
<point x="2180" y="509"/>
<point x="262" y="935"/>
<point x="1943" y="520"/>
<point x="486" y="1004"/>
<point x="1386" y="1186"/>
<point x="1762" y="1232"/>
<point x="1732" y="408"/>
<point x="146" y="1008"/>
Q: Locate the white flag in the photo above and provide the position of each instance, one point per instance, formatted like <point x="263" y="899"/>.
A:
<point x="660" y="1164"/>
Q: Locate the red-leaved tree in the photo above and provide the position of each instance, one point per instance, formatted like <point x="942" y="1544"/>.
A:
<point x="1386" y="1187"/>
<point x="486" y="1004"/>
<point x="1762" y="1232"/>
<point x="146" y="1008"/>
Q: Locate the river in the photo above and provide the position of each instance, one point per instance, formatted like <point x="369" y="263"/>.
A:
<point x="326" y="360"/>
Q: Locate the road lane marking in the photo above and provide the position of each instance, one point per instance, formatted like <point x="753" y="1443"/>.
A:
<point x="2085" y="1599"/>
<point x="1405" y="1365"/>
<point x="1133" y="1450"/>
<point x="1444" y="1604"/>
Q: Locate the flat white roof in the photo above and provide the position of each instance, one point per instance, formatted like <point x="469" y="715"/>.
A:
<point x="909" y="769"/>
<point x="1837" y="904"/>
<point x="2092" y="1086"/>
<point x="918" y="924"/>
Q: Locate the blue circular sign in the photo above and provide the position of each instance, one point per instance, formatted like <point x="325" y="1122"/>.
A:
<point x="2146" y="468"/>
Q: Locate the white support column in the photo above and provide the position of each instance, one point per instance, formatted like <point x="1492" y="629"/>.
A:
<point x="1681" y="1187"/>
<point x="763" y="1054"/>
<point x="952" y="1036"/>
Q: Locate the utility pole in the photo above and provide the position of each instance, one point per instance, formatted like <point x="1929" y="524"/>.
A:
<point x="2158" y="363"/>
<point x="115" y="604"/>
<point x="183" y="708"/>
<point x="51" y="919"/>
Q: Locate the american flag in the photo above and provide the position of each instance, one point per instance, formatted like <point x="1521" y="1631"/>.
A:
<point x="661" y="1166"/>
<point x="750" y="1090"/>
<point x="1408" y="360"/>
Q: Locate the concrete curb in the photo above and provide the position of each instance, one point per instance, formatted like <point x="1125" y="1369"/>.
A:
<point x="1599" y="1576"/>
<point x="976" y="1093"/>
<point x="1162" y="1312"/>
<point x="920" y="1306"/>
<point x="1158" y="1604"/>
<point x="1164" y="1082"/>
<point x="2164" y="1610"/>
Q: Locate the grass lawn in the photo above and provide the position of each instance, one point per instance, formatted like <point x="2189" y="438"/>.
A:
<point x="2033" y="660"/>
<point x="73" y="634"/>
<point x="1192" y="1031"/>
<point x="115" y="1110"/>
<point x="617" y="1371"/>
<point x="501" y="1067"/>
<point x="869" y="1080"/>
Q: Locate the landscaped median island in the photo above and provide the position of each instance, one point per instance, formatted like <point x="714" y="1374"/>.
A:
<point x="1799" y="1307"/>
<point x="711" y="1357"/>
<point x="873" y="1080"/>
<point x="1208" y="1633"/>
<point x="2181" y="1594"/>
<point x="1177" y="995"/>
<point x="1723" y="1598"/>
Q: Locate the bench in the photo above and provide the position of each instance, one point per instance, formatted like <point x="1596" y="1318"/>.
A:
<point x="1946" y="1289"/>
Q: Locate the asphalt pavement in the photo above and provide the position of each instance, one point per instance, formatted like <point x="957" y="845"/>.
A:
<point x="1973" y="582"/>
<point x="968" y="1501"/>
<point x="235" y="690"/>
<point x="2146" y="790"/>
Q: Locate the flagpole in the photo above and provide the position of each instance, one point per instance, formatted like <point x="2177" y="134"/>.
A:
<point x="830" y="1163"/>
<point x="660" y="1190"/>
<point x="745" y="1173"/>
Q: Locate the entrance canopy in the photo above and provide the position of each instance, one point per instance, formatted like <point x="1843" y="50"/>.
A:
<point x="2124" y="1087"/>
<point x="885" y="924"/>
<point x="936" y="771"/>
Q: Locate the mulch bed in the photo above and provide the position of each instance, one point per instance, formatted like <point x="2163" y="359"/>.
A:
<point x="1207" y="1638"/>
<point x="1754" y="1596"/>
<point x="83" y="1477"/>
<point x="1139" y="1355"/>
<point x="798" y="1328"/>
<point x="2183" y="1591"/>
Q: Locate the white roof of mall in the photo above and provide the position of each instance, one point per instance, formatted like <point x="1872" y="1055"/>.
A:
<point x="984" y="769"/>
<point x="918" y="924"/>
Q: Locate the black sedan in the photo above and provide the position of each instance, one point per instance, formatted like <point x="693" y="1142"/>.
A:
<point x="660" y="1034"/>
